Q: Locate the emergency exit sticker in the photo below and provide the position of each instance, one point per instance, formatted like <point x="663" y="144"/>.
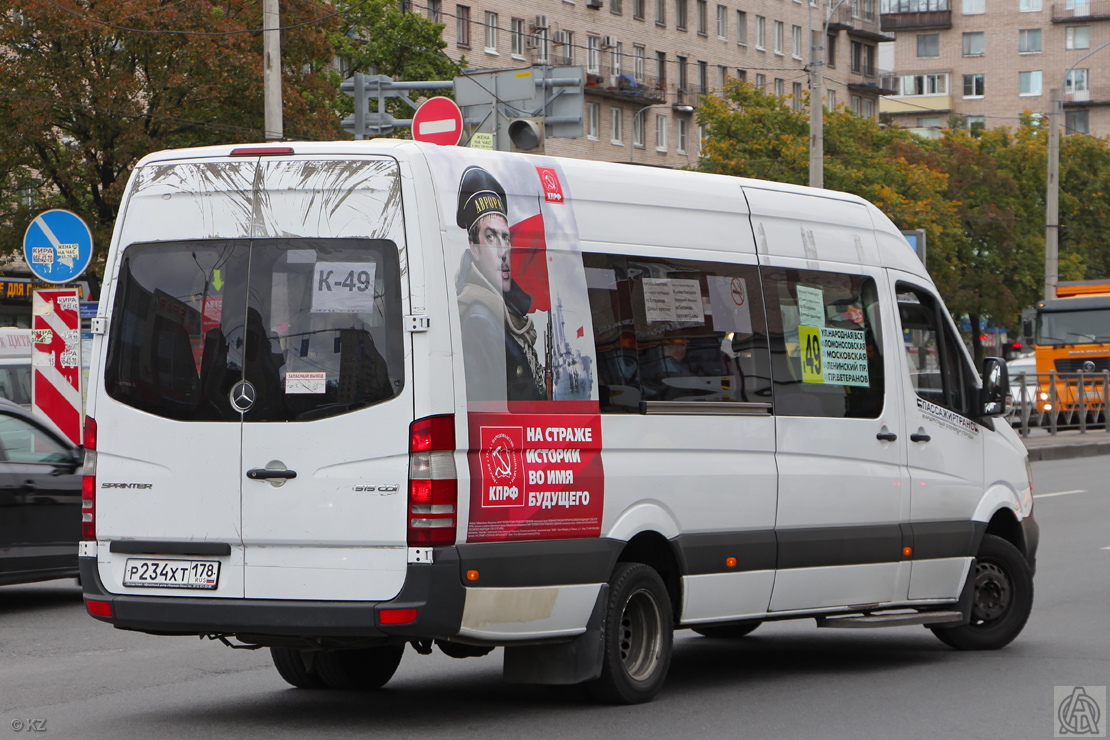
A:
<point x="343" y="287"/>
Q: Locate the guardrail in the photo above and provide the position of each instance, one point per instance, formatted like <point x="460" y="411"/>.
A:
<point x="1056" y="401"/>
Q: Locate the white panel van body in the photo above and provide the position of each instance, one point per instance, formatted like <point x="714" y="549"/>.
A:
<point x="347" y="396"/>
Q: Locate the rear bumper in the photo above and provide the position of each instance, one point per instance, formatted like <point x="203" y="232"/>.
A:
<point x="434" y="590"/>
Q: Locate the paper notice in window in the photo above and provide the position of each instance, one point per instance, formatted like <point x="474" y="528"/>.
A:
<point x="600" y="278"/>
<point x="315" y="382"/>
<point x="811" y="306"/>
<point x="728" y="296"/>
<point x="343" y="287"/>
<point x="673" y="300"/>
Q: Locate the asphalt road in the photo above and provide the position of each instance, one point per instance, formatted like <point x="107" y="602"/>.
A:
<point x="63" y="675"/>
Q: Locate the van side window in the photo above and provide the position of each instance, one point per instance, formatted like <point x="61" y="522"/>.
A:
<point x="676" y="330"/>
<point x="825" y="350"/>
<point x="938" y="372"/>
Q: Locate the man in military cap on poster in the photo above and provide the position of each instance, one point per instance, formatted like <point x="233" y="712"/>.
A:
<point x="498" y="335"/>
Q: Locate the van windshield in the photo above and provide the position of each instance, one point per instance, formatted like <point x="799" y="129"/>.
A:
<point x="300" y="329"/>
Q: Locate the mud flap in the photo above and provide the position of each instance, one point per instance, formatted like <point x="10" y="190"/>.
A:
<point x="966" y="598"/>
<point x="563" y="663"/>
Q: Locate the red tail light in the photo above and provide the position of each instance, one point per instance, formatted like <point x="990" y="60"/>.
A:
<point x="88" y="482"/>
<point x="433" y="482"/>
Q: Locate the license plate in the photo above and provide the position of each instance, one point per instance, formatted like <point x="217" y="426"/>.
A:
<point x="149" y="573"/>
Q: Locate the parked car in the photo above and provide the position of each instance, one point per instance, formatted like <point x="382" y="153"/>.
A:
<point x="40" y="499"/>
<point x="1022" y="395"/>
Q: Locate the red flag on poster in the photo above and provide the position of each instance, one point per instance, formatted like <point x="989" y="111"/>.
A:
<point x="529" y="261"/>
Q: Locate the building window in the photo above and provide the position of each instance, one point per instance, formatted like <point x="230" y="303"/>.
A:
<point x="722" y="76"/>
<point x="863" y="59"/>
<point x="797" y="95"/>
<point x="796" y="41"/>
<point x="543" y="46"/>
<point x="974" y="43"/>
<point x="516" y="35"/>
<point x="741" y="74"/>
<point x="1029" y="83"/>
<point x="616" y="121"/>
<point x="462" y="25"/>
<point x="722" y="22"/>
<point x="660" y="132"/>
<point x="1028" y="6"/>
<point x="564" y="54"/>
<point x="924" y="84"/>
<point x="660" y="12"/>
<point x="741" y="28"/>
<point x="638" y="130"/>
<point x="703" y="17"/>
<point x="638" y="62"/>
<point x="868" y="108"/>
<point x="780" y="87"/>
<point x="616" y="59"/>
<point x="1077" y="37"/>
<point x="593" y="54"/>
<point x="857" y="104"/>
<point x="683" y="129"/>
<point x="976" y="123"/>
<point x="779" y="34"/>
<point x="661" y="67"/>
<point x="760" y="32"/>
<point x="974" y="7"/>
<point x="1077" y="80"/>
<point x="680" y="14"/>
<point x="830" y="98"/>
<point x="703" y="78"/>
<point x="928" y="45"/>
<point x="491" y="32"/>
<point x="680" y="70"/>
<point x="638" y="9"/>
<point x="593" y="120"/>
<point x="1077" y="122"/>
<point x="1029" y="41"/>
<point x="616" y="7"/>
<point x="974" y="86"/>
<point x="435" y="8"/>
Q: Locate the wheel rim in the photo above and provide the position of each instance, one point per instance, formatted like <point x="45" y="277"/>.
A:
<point x="993" y="592"/>
<point x="641" y="637"/>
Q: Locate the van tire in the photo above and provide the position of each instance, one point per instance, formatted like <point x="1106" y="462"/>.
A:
<point x="638" y="635"/>
<point x="1001" y="601"/>
<point x="296" y="667"/>
<point x="359" y="670"/>
<point x="729" y="631"/>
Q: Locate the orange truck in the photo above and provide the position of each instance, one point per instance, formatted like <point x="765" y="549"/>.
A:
<point x="1072" y="341"/>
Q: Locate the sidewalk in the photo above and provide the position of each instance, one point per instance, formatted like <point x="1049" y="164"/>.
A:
<point x="1066" y="443"/>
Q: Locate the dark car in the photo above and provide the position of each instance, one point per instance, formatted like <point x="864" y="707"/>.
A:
<point x="40" y="499"/>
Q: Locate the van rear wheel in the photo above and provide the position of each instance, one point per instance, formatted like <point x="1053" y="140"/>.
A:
<point x="297" y="667"/>
<point x="639" y="631"/>
<point x="1001" y="602"/>
<point x="359" y="670"/>
<point x="729" y="631"/>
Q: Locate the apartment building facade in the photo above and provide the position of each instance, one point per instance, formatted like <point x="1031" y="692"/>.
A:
<point x="990" y="61"/>
<point x="648" y="61"/>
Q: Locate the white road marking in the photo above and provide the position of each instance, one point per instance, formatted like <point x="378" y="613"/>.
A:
<point x="1059" y="493"/>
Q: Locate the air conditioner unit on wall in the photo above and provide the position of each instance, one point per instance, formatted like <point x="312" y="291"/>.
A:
<point x="609" y="42"/>
<point x="540" y="22"/>
<point x="560" y="37"/>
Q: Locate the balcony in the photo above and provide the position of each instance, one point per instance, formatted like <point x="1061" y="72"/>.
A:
<point x="623" y="85"/>
<point x="930" y="19"/>
<point x="1097" y="95"/>
<point x="1079" y="12"/>
<point x="859" y="19"/>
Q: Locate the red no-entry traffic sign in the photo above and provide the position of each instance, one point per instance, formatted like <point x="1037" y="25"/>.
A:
<point x="438" y="121"/>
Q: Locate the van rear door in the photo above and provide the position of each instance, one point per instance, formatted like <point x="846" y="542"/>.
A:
<point x="255" y="373"/>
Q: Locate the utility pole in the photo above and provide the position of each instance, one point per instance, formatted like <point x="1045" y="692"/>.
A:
<point x="271" y="70"/>
<point x="817" y="57"/>
<point x="1052" y="199"/>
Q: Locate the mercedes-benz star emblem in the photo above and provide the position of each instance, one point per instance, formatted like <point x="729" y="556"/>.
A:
<point x="242" y="396"/>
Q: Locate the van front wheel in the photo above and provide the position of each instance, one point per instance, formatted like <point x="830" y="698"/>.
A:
<point x="1001" y="602"/>
<point x="639" y="631"/>
<point x="367" y="668"/>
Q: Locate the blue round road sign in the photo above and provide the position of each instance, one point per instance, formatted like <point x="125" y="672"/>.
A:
<point x="57" y="246"/>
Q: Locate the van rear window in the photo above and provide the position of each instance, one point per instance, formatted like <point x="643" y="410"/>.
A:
<point x="299" y="329"/>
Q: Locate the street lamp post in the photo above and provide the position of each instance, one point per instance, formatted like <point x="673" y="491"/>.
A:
<point x="816" y="93"/>
<point x="1052" y="184"/>
<point x="676" y="107"/>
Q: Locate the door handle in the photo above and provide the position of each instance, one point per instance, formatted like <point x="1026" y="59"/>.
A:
<point x="920" y="437"/>
<point x="267" y="474"/>
<point x="886" y="436"/>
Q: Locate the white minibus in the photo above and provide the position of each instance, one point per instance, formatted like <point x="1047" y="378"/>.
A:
<point x="346" y="397"/>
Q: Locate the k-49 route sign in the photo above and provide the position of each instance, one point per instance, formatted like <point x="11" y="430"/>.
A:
<point x="57" y="246"/>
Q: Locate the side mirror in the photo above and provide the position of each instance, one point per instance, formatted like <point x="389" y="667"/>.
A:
<point x="996" y="384"/>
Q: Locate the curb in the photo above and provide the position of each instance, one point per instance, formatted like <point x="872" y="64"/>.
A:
<point x="1065" y="451"/>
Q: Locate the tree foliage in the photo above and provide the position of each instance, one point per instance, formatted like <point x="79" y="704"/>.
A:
<point x="978" y="194"/>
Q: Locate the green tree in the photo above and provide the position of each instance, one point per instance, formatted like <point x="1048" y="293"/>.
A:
<point x="381" y="37"/>
<point x="87" y="92"/>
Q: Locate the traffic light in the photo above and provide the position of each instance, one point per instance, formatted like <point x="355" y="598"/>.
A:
<point x="527" y="135"/>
